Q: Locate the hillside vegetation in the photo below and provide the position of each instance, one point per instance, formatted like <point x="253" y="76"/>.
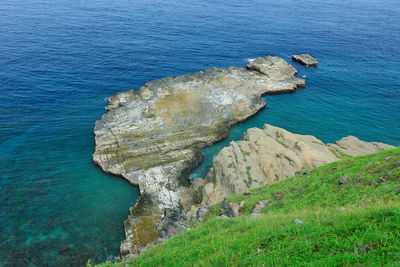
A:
<point x="344" y="213"/>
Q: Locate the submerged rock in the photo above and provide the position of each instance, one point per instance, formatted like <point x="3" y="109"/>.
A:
<point x="305" y="59"/>
<point x="153" y="137"/>
<point x="63" y="250"/>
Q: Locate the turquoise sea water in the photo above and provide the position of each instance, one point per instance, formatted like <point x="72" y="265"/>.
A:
<point x="60" y="60"/>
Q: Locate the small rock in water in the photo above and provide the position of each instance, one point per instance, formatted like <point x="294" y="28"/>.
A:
<point x="63" y="250"/>
<point x="343" y="180"/>
<point x="305" y="59"/>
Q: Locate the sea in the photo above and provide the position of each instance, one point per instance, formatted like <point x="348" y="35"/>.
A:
<point x="60" y="60"/>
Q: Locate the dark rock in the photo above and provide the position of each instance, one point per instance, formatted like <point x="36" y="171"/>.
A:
<point x="398" y="164"/>
<point x="224" y="204"/>
<point x="260" y="205"/>
<point x="378" y="171"/>
<point x="63" y="250"/>
<point x="374" y="183"/>
<point x="201" y="212"/>
<point x="298" y="173"/>
<point x="387" y="159"/>
<point x="343" y="180"/>
<point x="381" y="180"/>
<point x="164" y="233"/>
<point x="279" y="195"/>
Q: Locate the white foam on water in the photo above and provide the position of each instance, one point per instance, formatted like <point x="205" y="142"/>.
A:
<point x="250" y="59"/>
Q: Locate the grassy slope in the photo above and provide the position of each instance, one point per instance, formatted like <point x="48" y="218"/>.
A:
<point x="366" y="232"/>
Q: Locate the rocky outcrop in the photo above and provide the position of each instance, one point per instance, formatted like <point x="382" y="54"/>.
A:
<point x="305" y="59"/>
<point x="267" y="155"/>
<point x="153" y="137"/>
<point x="352" y="146"/>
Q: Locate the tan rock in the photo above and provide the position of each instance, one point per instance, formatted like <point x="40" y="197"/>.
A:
<point x="267" y="155"/>
<point x="353" y="146"/>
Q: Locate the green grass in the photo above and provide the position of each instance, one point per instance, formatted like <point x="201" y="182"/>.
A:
<point x="365" y="232"/>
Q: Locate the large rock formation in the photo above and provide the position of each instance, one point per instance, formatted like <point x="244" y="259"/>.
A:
<point x="153" y="137"/>
<point x="268" y="155"/>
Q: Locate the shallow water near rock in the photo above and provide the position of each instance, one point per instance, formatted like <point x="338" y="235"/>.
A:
<point x="61" y="60"/>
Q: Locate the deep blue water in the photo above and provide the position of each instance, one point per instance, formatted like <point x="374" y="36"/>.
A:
<point x="60" y="60"/>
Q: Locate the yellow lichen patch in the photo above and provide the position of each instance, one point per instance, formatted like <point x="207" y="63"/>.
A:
<point x="240" y="111"/>
<point x="144" y="230"/>
<point x="228" y="82"/>
<point x="178" y="106"/>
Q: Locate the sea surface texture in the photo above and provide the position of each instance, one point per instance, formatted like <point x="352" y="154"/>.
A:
<point x="60" y="60"/>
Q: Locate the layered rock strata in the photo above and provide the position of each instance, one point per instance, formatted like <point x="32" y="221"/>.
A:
<point x="267" y="155"/>
<point x="153" y="137"/>
<point x="305" y="59"/>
